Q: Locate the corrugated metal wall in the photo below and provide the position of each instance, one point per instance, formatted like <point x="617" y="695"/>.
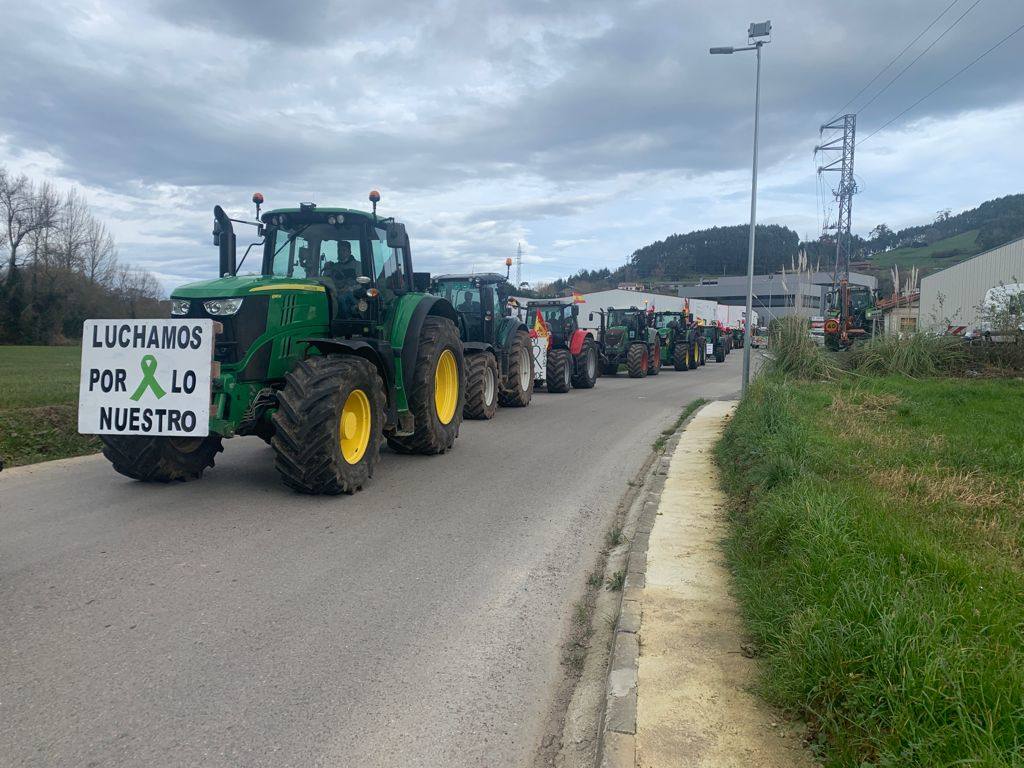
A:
<point x="953" y="295"/>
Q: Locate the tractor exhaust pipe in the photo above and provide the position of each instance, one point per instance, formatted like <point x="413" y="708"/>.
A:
<point x="224" y="239"/>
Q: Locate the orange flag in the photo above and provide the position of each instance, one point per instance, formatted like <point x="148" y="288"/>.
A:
<point x="577" y="298"/>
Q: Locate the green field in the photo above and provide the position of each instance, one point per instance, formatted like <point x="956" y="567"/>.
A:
<point x="924" y="258"/>
<point x="39" y="405"/>
<point x="878" y="548"/>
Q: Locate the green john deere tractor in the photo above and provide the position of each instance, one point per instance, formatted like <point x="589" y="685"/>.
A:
<point x="331" y="348"/>
<point x="677" y="337"/>
<point x="499" y="354"/>
<point x="719" y="340"/>
<point x="626" y="337"/>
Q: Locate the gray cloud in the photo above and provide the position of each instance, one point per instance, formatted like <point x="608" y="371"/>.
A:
<point x="514" y="114"/>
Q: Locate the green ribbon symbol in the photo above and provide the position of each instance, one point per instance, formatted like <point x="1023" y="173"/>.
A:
<point x="149" y="381"/>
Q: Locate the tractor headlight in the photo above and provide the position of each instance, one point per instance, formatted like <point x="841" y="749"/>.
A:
<point x="222" y="307"/>
<point x="180" y="307"/>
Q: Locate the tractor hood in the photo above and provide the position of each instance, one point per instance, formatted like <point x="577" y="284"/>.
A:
<point x="230" y="287"/>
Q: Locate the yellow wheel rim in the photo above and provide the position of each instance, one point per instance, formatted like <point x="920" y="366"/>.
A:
<point x="446" y="386"/>
<point x="354" y="426"/>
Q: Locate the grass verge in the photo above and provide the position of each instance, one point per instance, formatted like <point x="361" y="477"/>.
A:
<point x="38" y="405"/>
<point x="876" y="535"/>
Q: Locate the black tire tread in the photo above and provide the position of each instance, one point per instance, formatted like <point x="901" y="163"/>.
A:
<point x="580" y="379"/>
<point x="436" y="335"/>
<point x="510" y="395"/>
<point x="305" y="441"/>
<point x="156" y="460"/>
<point x="558" y="360"/>
<point x="635" y="360"/>
<point x="477" y="367"/>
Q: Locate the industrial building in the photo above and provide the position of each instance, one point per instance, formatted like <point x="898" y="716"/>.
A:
<point x="953" y="296"/>
<point x="775" y="295"/>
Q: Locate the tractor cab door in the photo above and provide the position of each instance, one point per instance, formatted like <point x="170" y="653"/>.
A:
<point x="487" y="312"/>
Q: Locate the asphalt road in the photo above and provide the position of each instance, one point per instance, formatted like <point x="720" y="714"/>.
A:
<point x="231" y="622"/>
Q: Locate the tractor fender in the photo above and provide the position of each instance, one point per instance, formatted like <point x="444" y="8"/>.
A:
<point x="380" y="358"/>
<point x="428" y="305"/>
<point x="576" y="342"/>
<point x="477" y="347"/>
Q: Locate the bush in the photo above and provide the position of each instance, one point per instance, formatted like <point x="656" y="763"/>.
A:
<point x="794" y="353"/>
<point x="916" y="355"/>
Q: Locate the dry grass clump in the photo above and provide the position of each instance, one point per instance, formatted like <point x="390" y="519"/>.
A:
<point x="972" y="489"/>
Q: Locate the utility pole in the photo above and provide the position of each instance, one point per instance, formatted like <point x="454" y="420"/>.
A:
<point x="839" y="144"/>
<point x="519" y="265"/>
<point x="755" y="32"/>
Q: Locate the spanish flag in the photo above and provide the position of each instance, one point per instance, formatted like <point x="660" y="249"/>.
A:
<point x="540" y="328"/>
<point x="577" y="298"/>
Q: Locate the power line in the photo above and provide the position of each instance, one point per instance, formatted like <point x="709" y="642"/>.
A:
<point x="896" y="58"/>
<point x="941" y="85"/>
<point x="922" y="53"/>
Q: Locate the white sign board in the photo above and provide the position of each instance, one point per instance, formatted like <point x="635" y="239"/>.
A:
<point x="710" y="348"/>
<point x="540" y="358"/>
<point x="145" y="377"/>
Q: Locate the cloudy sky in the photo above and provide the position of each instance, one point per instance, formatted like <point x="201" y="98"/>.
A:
<point x="582" y="128"/>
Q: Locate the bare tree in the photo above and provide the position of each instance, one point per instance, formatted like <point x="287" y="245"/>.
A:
<point x="22" y="212"/>
<point x="73" y="224"/>
<point x="99" y="255"/>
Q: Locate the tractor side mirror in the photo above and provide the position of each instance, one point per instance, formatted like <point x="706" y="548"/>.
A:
<point x="224" y="239"/>
<point x="421" y="281"/>
<point x="397" y="236"/>
<point x="591" y="317"/>
<point x="575" y="311"/>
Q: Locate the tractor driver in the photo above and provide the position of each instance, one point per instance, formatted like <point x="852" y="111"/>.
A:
<point x="342" y="275"/>
<point x="467" y="303"/>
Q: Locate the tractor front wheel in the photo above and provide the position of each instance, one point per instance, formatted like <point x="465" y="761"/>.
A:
<point x="438" y="390"/>
<point x="481" y="386"/>
<point x="680" y="357"/>
<point x="518" y="387"/>
<point x="720" y="352"/>
<point x="694" y="355"/>
<point x="655" y="366"/>
<point x="161" y="459"/>
<point x="559" y="370"/>
<point x="585" y="376"/>
<point x="637" y="361"/>
<point x="329" y="425"/>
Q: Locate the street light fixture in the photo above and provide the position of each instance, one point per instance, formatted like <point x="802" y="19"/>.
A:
<point x="757" y="30"/>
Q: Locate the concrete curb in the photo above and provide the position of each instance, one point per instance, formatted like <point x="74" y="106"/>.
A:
<point x="617" y="738"/>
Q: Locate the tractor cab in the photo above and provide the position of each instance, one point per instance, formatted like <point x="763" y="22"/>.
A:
<point x="561" y="319"/>
<point x="477" y="299"/>
<point x="623" y="326"/>
<point x="362" y="262"/>
<point x="849" y="312"/>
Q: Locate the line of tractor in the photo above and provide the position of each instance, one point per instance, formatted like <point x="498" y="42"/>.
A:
<point x="336" y="346"/>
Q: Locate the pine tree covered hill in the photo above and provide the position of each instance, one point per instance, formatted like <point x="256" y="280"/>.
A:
<point x="723" y="250"/>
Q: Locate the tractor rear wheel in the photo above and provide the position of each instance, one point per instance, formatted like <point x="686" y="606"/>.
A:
<point x="161" y="459"/>
<point x="637" y="360"/>
<point x="694" y="355"/>
<point x="559" y="370"/>
<point x="481" y="386"/>
<point x="681" y="357"/>
<point x="518" y="387"/>
<point x="703" y="349"/>
<point x="720" y="352"/>
<point x="438" y="390"/>
<point x="329" y="425"/>
<point x="655" y="368"/>
<point x="585" y="376"/>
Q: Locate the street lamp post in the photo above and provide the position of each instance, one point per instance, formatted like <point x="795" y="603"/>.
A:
<point x="756" y="30"/>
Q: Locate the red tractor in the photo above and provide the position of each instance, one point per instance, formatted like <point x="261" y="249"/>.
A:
<point x="572" y="354"/>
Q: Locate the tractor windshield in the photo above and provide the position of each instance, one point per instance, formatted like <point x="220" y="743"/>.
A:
<point x="318" y="250"/>
<point x="617" y="317"/>
<point x="663" y="320"/>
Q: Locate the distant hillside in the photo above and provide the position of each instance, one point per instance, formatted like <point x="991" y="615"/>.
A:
<point x="723" y="250"/>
